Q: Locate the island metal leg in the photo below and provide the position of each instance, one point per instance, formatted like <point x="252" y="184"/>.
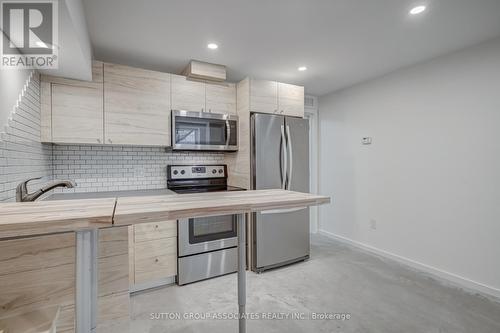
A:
<point x="242" y="293"/>
<point x="86" y="280"/>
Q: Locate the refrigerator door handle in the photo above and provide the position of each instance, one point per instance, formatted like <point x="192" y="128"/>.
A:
<point x="280" y="211"/>
<point x="290" y="153"/>
<point x="285" y="158"/>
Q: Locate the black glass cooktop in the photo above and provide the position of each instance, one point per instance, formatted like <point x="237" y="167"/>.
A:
<point x="201" y="189"/>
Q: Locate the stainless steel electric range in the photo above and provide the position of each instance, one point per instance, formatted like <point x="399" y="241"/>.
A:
<point x="207" y="246"/>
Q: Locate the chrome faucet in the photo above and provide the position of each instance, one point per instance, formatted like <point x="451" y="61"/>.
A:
<point x="22" y="194"/>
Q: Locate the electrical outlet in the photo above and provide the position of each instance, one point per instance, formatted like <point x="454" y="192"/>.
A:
<point x="373" y="224"/>
<point x="366" y="140"/>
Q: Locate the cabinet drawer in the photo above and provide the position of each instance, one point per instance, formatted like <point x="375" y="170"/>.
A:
<point x="158" y="230"/>
<point x="154" y="269"/>
<point x="155" y="260"/>
<point x="155" y="247"/>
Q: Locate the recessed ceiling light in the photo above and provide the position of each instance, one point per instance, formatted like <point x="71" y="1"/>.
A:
<point x="302" y="68"/>
<point x="418" y="10"/>
<point x="212" y="46"/>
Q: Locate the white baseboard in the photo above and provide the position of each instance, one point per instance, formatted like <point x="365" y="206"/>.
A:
<point x="442" y="276"/>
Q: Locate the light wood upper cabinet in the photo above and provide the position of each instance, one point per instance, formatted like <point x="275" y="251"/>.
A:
<point x="187" y="95"/>
<point x="72" y="110"/>
<point x="291" y="99"/>
<point x="136" y="106"/>
<point x="221" y="98"/>
<point x="276" y="97"/>
<point x="130" y="106"/>
<point x="76" y="114"/>
<point x="263" y="96"/>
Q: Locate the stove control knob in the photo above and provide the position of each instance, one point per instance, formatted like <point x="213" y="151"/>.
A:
<point x="221" y="171"/>
<point x="214" y="171"/>
<point x="176" y="172"/>
<point x="183" y="172"/>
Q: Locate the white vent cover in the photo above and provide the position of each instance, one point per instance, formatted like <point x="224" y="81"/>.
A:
<point x="199" y="70"/>
<point x="309" y="101"/>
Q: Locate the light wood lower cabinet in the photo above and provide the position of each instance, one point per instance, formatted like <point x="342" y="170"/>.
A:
<point x="39" y="272"/>
<point x="152" y="231"/>
<point x="155" y="260"/>
<point x="153" y="253"/>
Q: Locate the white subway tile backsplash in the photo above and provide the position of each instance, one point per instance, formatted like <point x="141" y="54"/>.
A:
<point x="22" y="155"/>
<point x="111" y="168"/>
<point x="94" y="168"/>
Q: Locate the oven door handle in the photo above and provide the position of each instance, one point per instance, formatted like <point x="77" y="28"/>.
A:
<point x="228" y="132"/>
<point x="281" y="211"/>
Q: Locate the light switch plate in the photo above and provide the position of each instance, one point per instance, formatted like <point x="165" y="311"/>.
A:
<point x="366" y="140"/>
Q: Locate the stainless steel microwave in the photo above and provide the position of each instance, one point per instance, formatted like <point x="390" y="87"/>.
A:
<point x="204" y="131"/>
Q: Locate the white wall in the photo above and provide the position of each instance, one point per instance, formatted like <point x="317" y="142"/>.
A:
<point x="75" y="49"/>
<point x="22" y="156"/>
<point x="11" y="85"/>
<point x="431" y="178"/>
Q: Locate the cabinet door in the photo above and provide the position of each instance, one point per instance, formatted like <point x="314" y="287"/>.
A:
<point x="187" y="95"/>
<point x="221" y="98"/>
<point x="291" y="99"/>
<point x="76" y="114"/>
<point x="136" y="106"/>
<point x="263" y="96"/>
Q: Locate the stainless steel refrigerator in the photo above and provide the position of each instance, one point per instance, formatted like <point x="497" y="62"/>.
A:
<point x="279" y="159"/>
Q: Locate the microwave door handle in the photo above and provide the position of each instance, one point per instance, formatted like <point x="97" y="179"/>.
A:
<point x="283" y="153"/>
<point x="290" y="153"/>
<point x="228" y="132"/>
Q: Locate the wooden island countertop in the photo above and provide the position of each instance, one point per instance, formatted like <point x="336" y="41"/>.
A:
<point x="46" y="217"/>
<point x="134" y="210"/>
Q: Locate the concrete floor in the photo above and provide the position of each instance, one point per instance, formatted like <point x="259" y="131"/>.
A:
<point x="379" y="295"/>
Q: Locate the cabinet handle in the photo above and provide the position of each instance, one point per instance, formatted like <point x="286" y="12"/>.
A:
<point x="275" y="111"/>
<point x="210" y="110"/>
<point x="156" y="259"/>
<point x="282" y="111"/>
<point x="99" y="140"/>
<point x="202" y="109"/>
<point x="110" y="141"/>
<point x="156" y="226"/>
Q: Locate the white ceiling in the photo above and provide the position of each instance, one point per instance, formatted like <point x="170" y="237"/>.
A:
<point x="342" y="42"/>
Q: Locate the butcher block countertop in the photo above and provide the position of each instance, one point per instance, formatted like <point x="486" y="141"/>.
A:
<point x="45" y="217"/>
<point x="18" y="219"/>
<point x="157" y="208"/>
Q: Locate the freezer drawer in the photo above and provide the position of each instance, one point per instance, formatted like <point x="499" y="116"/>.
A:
<point x="282" y="236"/>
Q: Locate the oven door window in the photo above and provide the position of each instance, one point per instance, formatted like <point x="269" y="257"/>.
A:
<point x="205" y="229"/>
<point x="198" y="131"/>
